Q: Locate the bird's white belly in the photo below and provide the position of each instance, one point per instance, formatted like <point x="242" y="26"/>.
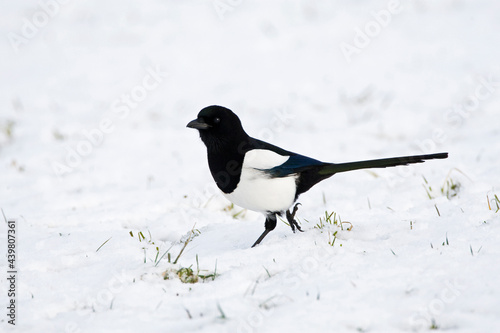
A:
<point x="258" y="192"/>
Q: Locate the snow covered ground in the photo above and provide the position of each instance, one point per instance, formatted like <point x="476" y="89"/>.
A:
<point x="94" y="153"/>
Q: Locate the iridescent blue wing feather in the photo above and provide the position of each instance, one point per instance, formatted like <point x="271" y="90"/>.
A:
<point x="295" y="164"/>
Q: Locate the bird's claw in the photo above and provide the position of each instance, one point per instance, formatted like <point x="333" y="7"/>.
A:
<point x="290" y="216"/>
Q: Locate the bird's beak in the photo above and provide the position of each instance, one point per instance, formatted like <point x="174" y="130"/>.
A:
<point x="198" y="124"/>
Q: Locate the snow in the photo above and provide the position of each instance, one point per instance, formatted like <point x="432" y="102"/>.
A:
<point x="94" y="102"/>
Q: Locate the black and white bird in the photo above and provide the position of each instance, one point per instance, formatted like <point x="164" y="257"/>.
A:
<point x="259" y="176"/>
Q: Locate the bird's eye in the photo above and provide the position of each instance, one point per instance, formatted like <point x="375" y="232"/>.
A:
<point x="217" y="120"/>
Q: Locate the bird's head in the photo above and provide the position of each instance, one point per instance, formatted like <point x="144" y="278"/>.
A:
<point x="218" y="126"/>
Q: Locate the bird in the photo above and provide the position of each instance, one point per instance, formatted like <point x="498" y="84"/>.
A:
<point x="262" y="177"/>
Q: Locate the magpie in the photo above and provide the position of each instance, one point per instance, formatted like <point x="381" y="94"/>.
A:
<point x="259" y="176"/>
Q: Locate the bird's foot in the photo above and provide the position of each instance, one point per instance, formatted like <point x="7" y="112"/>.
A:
<point x="290" y="216"/>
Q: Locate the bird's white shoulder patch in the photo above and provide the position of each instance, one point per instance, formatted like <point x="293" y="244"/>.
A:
<point x="263" y="159"/>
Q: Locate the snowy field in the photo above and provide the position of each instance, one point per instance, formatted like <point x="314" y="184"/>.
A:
<point x="116" y="208"/>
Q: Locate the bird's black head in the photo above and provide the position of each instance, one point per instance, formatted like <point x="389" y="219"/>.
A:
<point x="218" y="127"/>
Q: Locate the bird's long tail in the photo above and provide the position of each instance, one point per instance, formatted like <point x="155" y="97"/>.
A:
<point x="333" y="168"/>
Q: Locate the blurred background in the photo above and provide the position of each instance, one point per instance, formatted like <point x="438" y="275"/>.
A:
<point x="336" y="81"/>
<point x="354" y="71"/>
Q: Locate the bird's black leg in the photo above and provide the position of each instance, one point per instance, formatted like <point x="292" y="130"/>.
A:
<point x="290" y="216"/>
<point x="270" y="225"/>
